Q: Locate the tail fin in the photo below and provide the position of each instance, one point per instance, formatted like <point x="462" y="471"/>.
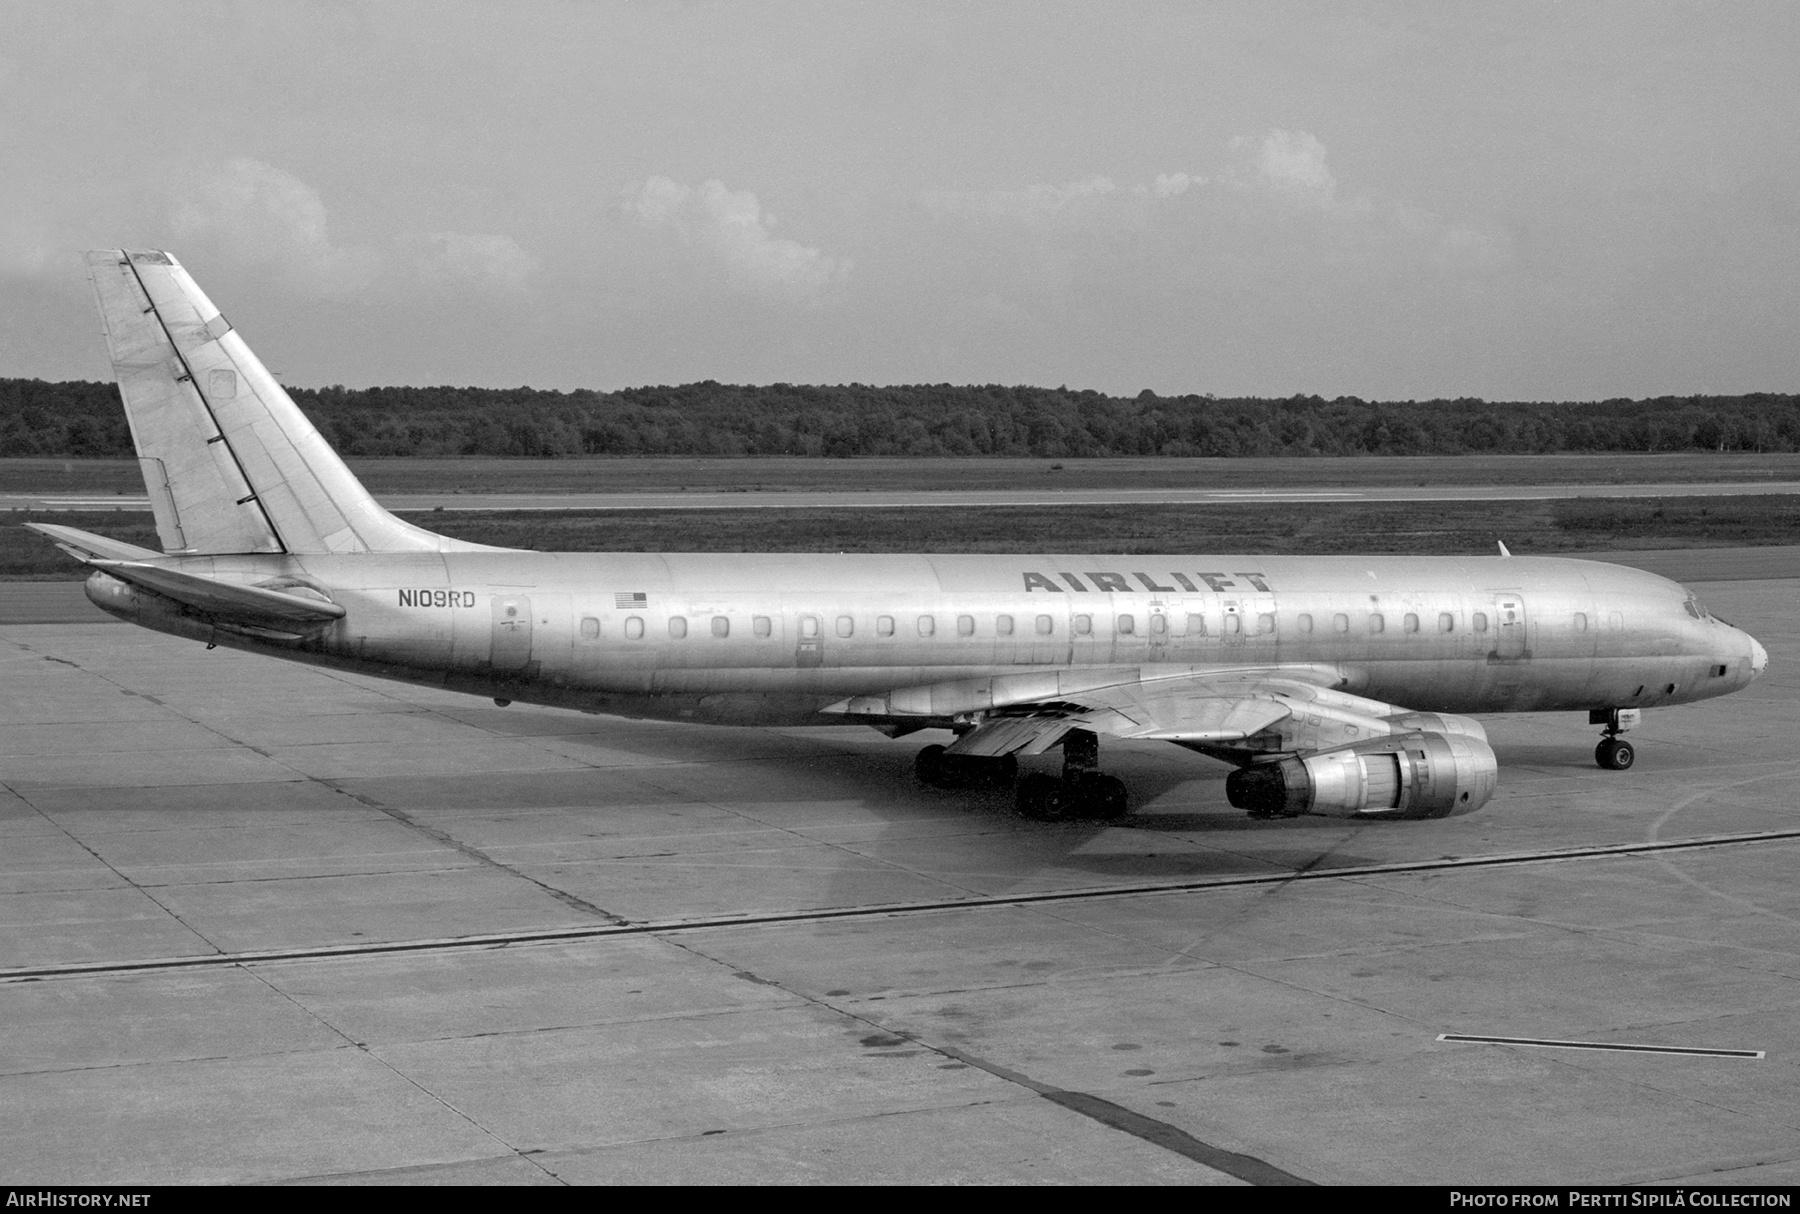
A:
<point x="231" y="463"/>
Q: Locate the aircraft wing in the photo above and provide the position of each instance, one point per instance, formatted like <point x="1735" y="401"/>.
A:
<point x="1267" y="710"/>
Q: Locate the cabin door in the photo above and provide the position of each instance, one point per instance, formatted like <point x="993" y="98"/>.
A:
<point x="512" y="632"/>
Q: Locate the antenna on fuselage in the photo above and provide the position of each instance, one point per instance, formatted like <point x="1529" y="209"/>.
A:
<point x="1503" y="551"/>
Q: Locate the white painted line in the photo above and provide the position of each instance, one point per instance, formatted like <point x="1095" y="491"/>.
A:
<point x="1618" y="1046"/>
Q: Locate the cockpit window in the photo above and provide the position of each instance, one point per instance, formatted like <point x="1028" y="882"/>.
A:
<point x="1696" y="608"/>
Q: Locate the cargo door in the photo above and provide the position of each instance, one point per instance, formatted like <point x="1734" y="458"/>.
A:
<point x="511" y="632"/>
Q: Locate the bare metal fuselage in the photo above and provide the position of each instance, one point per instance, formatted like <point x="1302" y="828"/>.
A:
<point x="773" y="639"/>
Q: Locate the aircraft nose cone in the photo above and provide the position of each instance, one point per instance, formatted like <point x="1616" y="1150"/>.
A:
<point x="1759" y="657"/>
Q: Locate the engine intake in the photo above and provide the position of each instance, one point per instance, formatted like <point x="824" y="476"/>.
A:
<point x="1415" y="775"/>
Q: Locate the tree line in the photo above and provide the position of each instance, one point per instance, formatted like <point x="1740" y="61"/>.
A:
<point x="83" y="419"/>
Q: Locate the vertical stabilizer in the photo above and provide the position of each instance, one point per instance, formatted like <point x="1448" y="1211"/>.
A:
<point x="230" y="462"/>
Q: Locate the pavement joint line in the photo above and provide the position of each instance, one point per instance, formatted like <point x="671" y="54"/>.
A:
<point x="1618" y="1046"/>
<point x="551" y="935"/>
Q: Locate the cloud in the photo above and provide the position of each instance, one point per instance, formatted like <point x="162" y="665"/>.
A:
<point x="258" y="214"/>
<point x="254" y="213"/>
<point x="1274" y="204"/>
<point x="1291" y="163"/>
<point x="481" y="259"/>
<point x="731" y="227"/>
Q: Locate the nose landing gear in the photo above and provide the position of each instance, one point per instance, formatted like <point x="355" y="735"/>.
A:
<point x="1615" y="753"/>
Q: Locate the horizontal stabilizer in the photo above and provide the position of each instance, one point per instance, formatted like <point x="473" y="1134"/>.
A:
<point x="86" y="546"/>
<point x="231" y="600"/>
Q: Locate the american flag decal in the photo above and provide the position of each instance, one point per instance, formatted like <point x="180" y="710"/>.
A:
<point x="624" y="601"/>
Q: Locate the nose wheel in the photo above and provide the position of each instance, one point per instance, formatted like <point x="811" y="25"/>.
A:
<point x="1615" y="753"/>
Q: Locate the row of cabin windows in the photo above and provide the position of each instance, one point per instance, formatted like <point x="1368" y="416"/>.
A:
<point x="762" y="626"/>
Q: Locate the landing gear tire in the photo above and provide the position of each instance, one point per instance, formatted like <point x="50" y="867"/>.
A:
<point x="1089" y="795"/>
<point x="1045" y="799"/>
<point x="1102" y="796"/>
<point x="1615" y="754"/>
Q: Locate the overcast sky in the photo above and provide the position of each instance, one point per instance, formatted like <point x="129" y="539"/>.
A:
<point x="1552" y="201"/>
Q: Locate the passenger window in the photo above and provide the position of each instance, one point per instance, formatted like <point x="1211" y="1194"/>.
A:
<point x="1376" y="623"/>
<point x="927" y="625"/>
<point x="1127" y="625"/>
<point x="678" y="625"/>
<point x="761" y="626"/>
<point x="1045" y="625"/>
<point x="846" y="625"/>
<point x="1340" y="622"/>
<point x="721" y="626"/>
<point x="634" y="626"/>
<point x="590" y="627"/>
<point x="1616" y="620"/>
<point x="1003" y="625"/>
<point x="1159" y="624"/>
<point x="965" y="625"/>
<point x="1446" y="622"/>
<point x="1581" y="621"/>
<point x="1304" y="622"/>
<point x="1410" y="622"/>
<point x="1479" y="621"/>
<point x="1084" y="625"/>
<point x="1233" y="625"/>
<point x="1196" y="624"/>
<point x="884" y="626"/>
<point x="1265" y="622"/>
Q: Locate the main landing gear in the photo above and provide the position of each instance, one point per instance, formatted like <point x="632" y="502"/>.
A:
<point x="1615" y="753"/>
<point x="1081" y="792"/>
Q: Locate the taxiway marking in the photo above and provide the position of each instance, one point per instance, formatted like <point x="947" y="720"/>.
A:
<point x="36" y="973"/>
<point x="1551" y="1044"/>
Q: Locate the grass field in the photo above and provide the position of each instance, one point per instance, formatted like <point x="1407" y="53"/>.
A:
<point x="753" y="475"/>
<point x="1567" y="526"/>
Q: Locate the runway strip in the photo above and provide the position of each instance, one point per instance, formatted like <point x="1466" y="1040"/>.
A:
<point x="37" y="973"/>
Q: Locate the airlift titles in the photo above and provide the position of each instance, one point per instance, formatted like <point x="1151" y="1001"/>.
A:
<point x="1115" y="583"/>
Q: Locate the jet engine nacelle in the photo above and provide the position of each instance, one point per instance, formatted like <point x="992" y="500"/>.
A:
<point x="1415" y="775"/>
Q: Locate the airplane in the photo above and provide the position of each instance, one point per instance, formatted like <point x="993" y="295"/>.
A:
<point x="1339" y="686"/>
